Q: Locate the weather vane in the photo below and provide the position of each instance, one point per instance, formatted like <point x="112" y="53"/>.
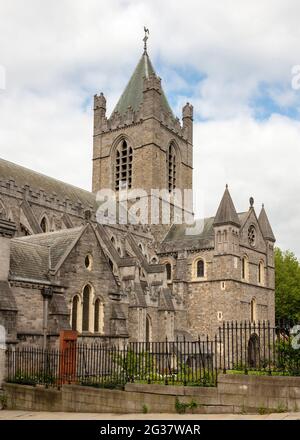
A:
<point x="145" y="38"/>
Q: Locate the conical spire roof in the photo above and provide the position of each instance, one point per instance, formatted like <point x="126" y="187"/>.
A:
<point x="265" y="225"/>
<point x="226" y="212"/>
<point x="133" y="93"/>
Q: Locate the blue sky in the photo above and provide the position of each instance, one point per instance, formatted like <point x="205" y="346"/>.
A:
<point x="232" y="60"/>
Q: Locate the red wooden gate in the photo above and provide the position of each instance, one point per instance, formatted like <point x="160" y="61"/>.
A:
<point x="67" y="366"/>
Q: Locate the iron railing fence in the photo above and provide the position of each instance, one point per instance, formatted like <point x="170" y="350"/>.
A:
<point x="177" y="362"/>
<point x="258" y="346"/>
<point x="237" y="347"/>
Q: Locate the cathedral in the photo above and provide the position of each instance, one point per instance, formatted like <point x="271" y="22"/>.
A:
<point x="62" y="269"/>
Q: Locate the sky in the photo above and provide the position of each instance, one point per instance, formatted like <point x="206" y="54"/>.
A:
<point x="237" y="62"/>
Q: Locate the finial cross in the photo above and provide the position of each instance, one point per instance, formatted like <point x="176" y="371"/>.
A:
<point x="145" y="38"/>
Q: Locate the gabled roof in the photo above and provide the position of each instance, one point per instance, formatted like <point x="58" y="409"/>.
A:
<point x="133" y="93"/>
<point x="24" y="176"/>
<point x="29" y="261"/>
<point x="265" y="225"/>
<point x="34" y="255"/>
<point x="201" y="230"/>
<point x="200" y="235"/>
<point x="226" y="212"/>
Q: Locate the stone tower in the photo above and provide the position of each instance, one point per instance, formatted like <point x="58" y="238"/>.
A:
<point x="270" y="240"/>
<point x="226" y="227"/>
<point x="142" y="145"/>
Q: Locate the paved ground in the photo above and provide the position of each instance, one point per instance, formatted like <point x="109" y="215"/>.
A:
<point x="26" y="415"/>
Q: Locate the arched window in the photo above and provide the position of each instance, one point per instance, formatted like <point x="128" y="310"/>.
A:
<point x="123" y="176"/>
<point x="44" y="224"/>
<point x="113" y="240"/>
<point x="169" y="271"/>
<point x="253" y="310"/>
<point x="98" y="316"/>
<point x="219" y="237"/>
<point x="171" y="168"/>
<point x="200" y="269"/>
<point x="245" y="268"/>
<point x="86" y="308"/>
<point x="75" y="305"/>
<point x="260" y="272"/>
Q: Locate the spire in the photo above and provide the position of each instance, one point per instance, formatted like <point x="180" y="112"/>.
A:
<point x="265" y="225"/>
<point x="133" y="93"/>
<point x="226" y="212"/>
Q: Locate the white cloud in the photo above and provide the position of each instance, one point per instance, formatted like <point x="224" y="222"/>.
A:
<point x="56" y="55"/>
<point x="258" y="159"/>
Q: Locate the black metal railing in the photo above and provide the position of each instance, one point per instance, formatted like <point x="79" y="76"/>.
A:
<point x="177" y="362"/>
<point x="237" y="347"/>
<point x="247" y="347"/>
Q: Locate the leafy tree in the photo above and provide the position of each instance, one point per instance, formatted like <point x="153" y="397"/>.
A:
<point x="287" y="285"/>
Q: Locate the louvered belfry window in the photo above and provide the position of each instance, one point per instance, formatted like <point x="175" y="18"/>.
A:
<point x="171" y="168"/>
<point x="123" y="167"/>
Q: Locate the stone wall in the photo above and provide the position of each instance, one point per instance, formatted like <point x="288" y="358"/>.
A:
<point x="234" y="393"/>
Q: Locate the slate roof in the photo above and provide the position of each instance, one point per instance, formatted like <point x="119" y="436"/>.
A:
<point x="265" y="225"/>
<point x="133" y="93"/>
<point x="30" y="255"/>
<point x="29" y="261"/>
<point x="201" y="234"/>
<point x="242" y="217"/>
<point x="24" y="176"/>
<point x="226" y="212"/>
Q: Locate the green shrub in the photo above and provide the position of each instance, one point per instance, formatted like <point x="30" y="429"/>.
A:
<point x="181" y="407"/>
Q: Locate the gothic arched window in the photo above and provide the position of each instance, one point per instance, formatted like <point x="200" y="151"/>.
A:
<point x="253" y="310"/>
<point x="171" y="168"/>
<point x="169" y="271"/>
<point x="123" y="177"/>
<point x="75" y="304"/>
<point x="98" y="316"/>
<point x="86" y="309"/>
<point x="44" y="224"/>
<point x="260" y="274"/>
